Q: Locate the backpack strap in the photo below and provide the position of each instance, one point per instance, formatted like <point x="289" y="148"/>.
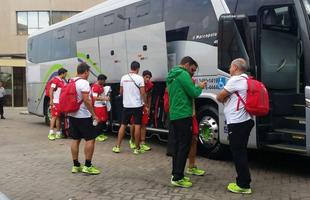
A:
<point x="239" y="100"/>
<point x="239" y="97"/>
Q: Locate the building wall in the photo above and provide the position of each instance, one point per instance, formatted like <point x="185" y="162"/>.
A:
<point x="10" y="42"/>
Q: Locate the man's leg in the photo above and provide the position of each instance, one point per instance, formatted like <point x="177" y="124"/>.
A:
<point x="183" y="133"/>
<point x="51" y="135"/>
<point x="1" y="107"/>
<point x="89" y="149"/>
<point x="121" y="134"/>
<point x="137" y="135"/>
<point x="192" y="153"/>
<point x="238" y="140"/>
<point x="75" y="149"/>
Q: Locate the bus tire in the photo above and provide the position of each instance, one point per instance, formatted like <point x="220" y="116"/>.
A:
<point x="208" y="141"/>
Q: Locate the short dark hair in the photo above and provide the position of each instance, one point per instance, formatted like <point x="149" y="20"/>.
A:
<point x="135" y="65"/>
<point x="102" y="77"/>
<point x="189" y="60"/>
<point x="62" y="71"/>
<point x="147" y="72"/>
<point x="82" y="68"/>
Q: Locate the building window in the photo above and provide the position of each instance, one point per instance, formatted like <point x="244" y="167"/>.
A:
<point x="31" y="21"/>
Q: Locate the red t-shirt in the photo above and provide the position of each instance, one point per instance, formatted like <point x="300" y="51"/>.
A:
<point x="57" y="84"/>
<point x="97" y="91"/>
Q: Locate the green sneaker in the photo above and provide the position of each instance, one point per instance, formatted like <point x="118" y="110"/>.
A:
<point x="76" y="169"/>
<point x="195" y="171"/>
<point x="132" y="145"/>
<point x="51" y="136"/>
<point x="101" y="138"/>
<point x="145" y="147"/>
<point x="90" y="170"/>
<point x="233" y="187"/>
<point x="116" y="149"/>
<point x="138" y="151"/>
<point x="181" y="183"/>
<point x="59" y="136"/>
<point x="186" y="178"/>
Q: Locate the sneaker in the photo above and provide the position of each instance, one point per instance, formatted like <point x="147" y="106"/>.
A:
<point x="195" y="171"/>
<point x="59" y="136"/>
<point x="233" y="187"/>
<point x="186" y="178"/>
<point x="145" y="147"/>
<point x="90" y="170"/>
<point x="181" y="183"/>
<point x="138" y="151"/>
<point x="51" y="136"/>
<point x="132" y="145"/>
<point x="76" y="169"/>
<point x="3" y="117"/>
<point x="101" y="138"/>
<point x="116" y="149"/>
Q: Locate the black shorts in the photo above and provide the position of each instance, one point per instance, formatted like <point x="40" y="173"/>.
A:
<point x="82" y="128"/>
<point x="129" y="112"/>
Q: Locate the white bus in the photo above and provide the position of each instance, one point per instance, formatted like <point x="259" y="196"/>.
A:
<point x="272" y="35"/>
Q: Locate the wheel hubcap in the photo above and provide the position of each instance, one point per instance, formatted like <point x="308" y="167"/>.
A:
<point x="208" y="131"/>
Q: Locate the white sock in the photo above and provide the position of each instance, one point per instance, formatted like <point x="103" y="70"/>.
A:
<point x="58" y="133"/>
<point x="51" y="131"/>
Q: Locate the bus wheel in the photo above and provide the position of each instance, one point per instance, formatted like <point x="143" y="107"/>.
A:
<point x="208" y="141"/>
<point x="48" y="115"/>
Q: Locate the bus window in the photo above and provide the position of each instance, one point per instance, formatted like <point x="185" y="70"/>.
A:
<point x="108" y="23"/>
<point x="234" y="41"/>
<point x="201" y="22"/>
<point x="44" y="50"/>
<point x="144" y="13"/>
<point x="61" y="43"/>
<point x="307" y="7"/>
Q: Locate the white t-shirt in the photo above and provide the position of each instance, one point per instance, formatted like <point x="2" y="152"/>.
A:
<point x="82" y="85"/>
<point x="131" y="93"/>
<point x="236" y="84"/>
<point x="2" y="92"/>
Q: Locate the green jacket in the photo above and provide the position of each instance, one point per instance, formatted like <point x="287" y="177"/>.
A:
<point x="181" y="92"/>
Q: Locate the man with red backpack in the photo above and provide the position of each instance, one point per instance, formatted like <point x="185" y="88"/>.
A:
<point x="239" y="122"/>
<point x="56" y="84"/>
<point x="100" y="107"/>
<point x="81" y="121"/>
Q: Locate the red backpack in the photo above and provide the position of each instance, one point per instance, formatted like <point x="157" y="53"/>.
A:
<point x="257" y="101"/>
<point x="166" y="101"/>
<point x="68" y="100"/>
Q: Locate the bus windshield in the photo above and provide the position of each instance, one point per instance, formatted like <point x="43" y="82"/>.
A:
<point x="307" y="6"/>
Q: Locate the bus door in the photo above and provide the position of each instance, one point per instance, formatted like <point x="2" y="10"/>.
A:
<point x="281" y="63"/>
<point x="303" y="14"/>
<point x="235" y="41"/>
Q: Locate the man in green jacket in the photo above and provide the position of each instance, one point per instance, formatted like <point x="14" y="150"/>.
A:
<point x="181" y="92"/>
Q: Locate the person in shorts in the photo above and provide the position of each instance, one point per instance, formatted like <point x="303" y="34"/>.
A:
<point x="133" y="92"/>
<point x="100" y="107"/>
<point x="147" y="75"/>
<point x="57" y="83"/>
<point x="81" y="123"/>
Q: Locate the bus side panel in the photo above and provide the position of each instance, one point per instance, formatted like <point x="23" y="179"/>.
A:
<point x="88" y="50"/>
<point x="147" y="45"/>
<point x="33" y="87"/>
<point x="113" y="55"/>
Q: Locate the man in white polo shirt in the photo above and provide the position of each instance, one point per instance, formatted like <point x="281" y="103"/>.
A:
<point x="81" y="123"/>
<point x="239" y="123"/>
<point x="132" y="89"/>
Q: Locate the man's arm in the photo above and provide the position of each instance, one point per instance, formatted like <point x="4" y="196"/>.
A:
<point x="51" y="94"/>
<point x="223" y="96"/>
<point x="121" y="90"/>
<point x="143" y="95"/>
<point x="189" y="87"/>
<point x="88" y="104"/>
